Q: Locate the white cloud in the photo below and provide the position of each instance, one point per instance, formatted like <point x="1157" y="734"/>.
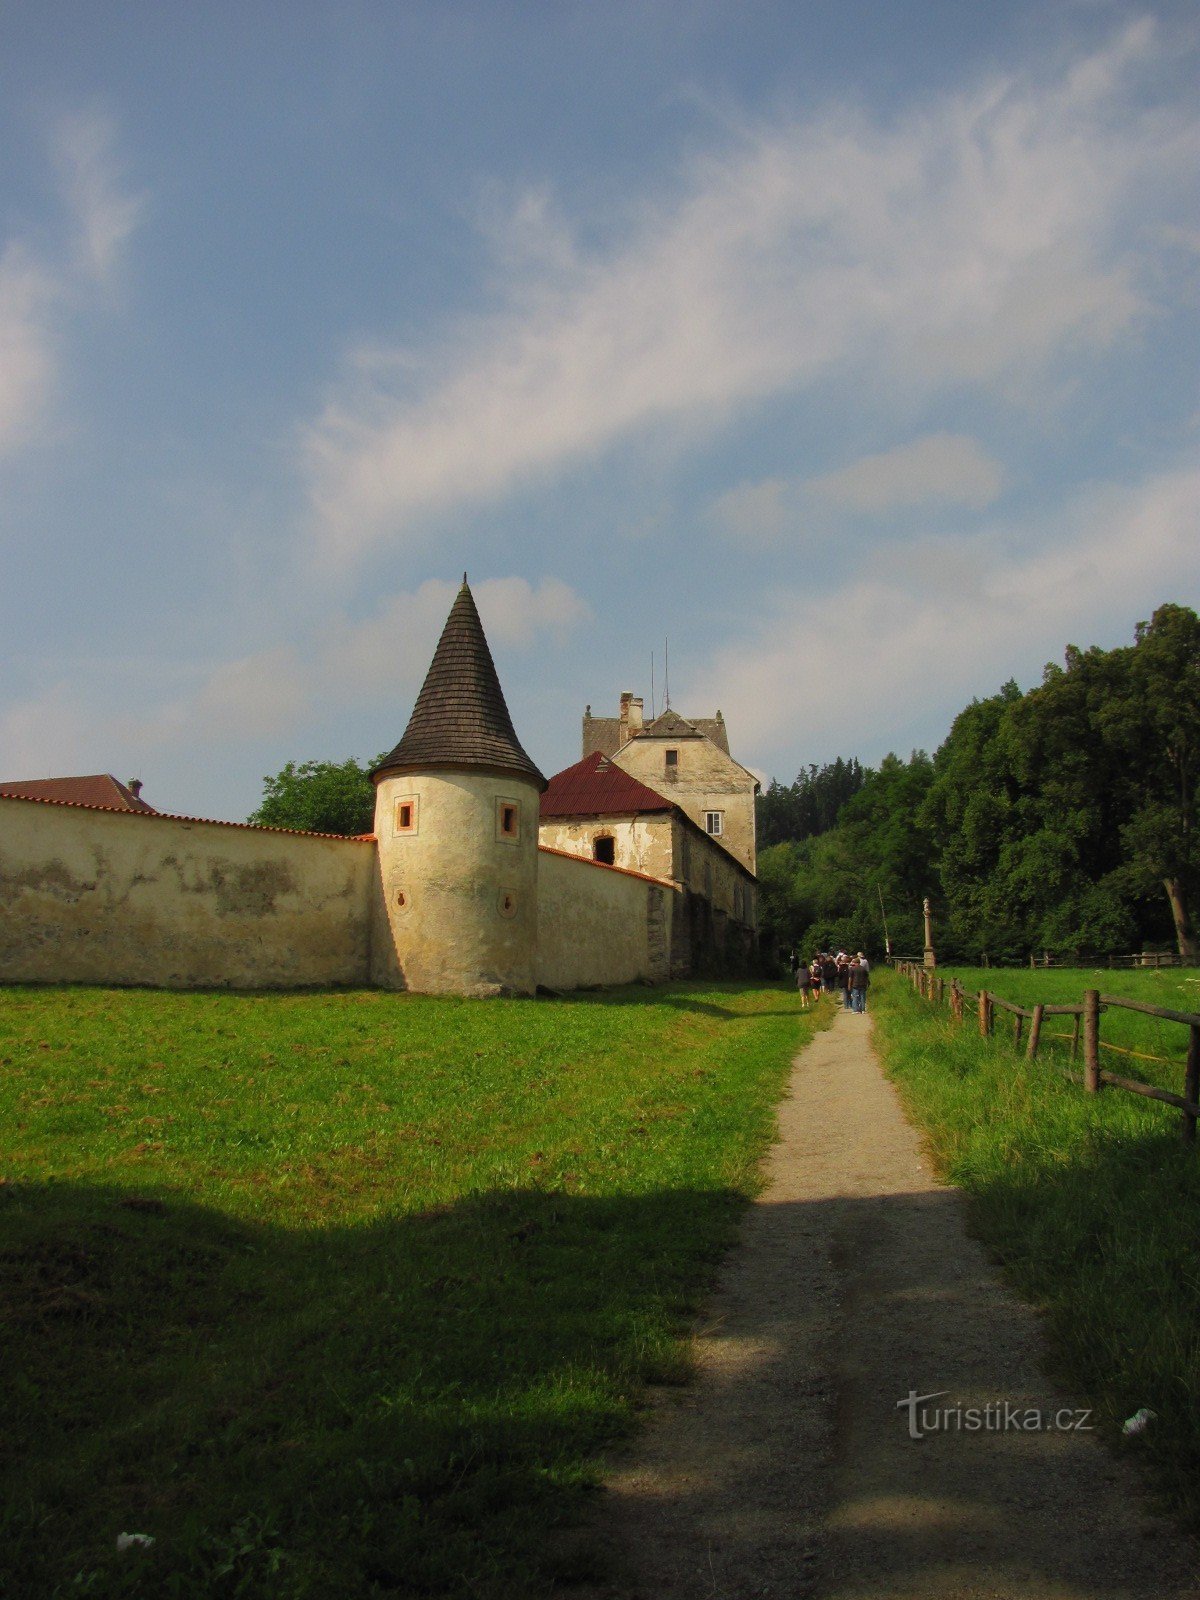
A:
<point x="981" y="240"/>
<point x="104" y="217"/>
<point x="27" y="298"/>
<point x="39" y="294"/>
<point x="757" y="513"/>
<point x="944" y="468"/>
<point x="920" y="631"/>
<point x="46" y="736"/>
<point x="348" y="661"/>
<point x="941" y="469"/>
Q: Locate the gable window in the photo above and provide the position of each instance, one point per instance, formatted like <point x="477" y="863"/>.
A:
<point x="604" y="849"/>
<point x="714" y="823"/>
<point x="404" y="814"/>
<point x="671" y="762"/>
<point x="508" y="821"/>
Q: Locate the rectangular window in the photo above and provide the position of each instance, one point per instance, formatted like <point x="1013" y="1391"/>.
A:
<point x="714" y="822"/>
<point x="508" y="821"/>
<point x="671" y="763"/>
<point x="404" y="814"/>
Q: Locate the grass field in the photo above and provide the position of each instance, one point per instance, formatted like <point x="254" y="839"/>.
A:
<point x="340" y="1293"/>
<point x="1091" y="1202"/>
<point x="1179" y="990"/>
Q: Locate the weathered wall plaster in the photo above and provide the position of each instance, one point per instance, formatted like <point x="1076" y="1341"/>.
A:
<point x="599" y="925"/>
<point x="89" y="896"/>
<point x="457" y="902"/>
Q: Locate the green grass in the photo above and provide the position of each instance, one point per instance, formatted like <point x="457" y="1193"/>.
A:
<point x="341" y="1294"/>
<point x="1091" y="1202"/>
<point x="1179" y="990"/>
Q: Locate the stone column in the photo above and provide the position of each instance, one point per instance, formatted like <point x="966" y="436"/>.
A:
<point x="930" y="957"/>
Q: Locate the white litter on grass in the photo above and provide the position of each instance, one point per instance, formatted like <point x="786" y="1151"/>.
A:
<point x="1139" y="1421"/>
<point x="133" y="1541"/>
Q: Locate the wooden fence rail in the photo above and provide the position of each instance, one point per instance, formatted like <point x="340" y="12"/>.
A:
<point x="1086" y="1017"/>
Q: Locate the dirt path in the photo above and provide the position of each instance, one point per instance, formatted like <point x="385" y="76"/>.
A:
<point x="787" y="1468"/>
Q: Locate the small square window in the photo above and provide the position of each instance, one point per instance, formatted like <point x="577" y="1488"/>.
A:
<point x="508" y="820"/>
<point x="714" y="822"/>
<point x="404" y="814"/>
<point x="672" y="758"/>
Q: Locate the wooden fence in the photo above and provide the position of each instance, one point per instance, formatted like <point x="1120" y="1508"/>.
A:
<point x="1086" y="1027"/>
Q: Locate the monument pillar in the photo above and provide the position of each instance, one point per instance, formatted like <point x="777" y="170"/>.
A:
<point x="930" y="957"/>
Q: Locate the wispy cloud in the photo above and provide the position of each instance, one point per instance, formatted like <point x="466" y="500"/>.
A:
<point x="27" y="299"/>
<point x="941" y="469"/>
<point x="913" y="635"/>
<point x="104" y="217"/>
<point x="40" y="292"/>
<point x="272" y="691"/>
<point x="976" y="241"/>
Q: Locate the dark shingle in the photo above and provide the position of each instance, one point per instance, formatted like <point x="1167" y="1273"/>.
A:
<point x="460" y="718"/>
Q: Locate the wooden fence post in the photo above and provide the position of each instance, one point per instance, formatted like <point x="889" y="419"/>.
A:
<point x="1191" y="1083"/>
<point x="1035" y="1032"/>
<point x="956" y="1000"/>
<point x="983" y="1013"/>
<point x="1018" y="1025"/>
<point x="1091" y="1040"/>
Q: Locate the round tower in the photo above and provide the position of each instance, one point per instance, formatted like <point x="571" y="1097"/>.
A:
<point x="456" y="819"/>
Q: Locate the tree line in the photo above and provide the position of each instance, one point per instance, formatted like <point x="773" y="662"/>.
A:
<point x="1061" y="820"/>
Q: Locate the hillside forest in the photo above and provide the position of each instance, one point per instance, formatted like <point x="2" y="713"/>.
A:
<point x="1061" y="820"/>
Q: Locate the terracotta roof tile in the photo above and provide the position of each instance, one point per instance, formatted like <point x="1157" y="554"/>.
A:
<point x="460" y="718"/>
<point x="99" y="789"/>
<point x="596" y="787"/>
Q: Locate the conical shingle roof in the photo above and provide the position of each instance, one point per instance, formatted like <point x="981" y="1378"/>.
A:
<point x="460" y="718"/>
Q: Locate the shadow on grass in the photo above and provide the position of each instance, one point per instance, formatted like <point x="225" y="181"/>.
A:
<point x="398" y="1407"/>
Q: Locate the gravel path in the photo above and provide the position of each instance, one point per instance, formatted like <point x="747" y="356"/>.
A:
<point x="787" y="1468"/>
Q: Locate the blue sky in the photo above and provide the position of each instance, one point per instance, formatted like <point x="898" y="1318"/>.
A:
<point x="851" y="347"/>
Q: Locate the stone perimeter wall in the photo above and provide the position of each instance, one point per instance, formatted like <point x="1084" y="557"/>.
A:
<point x="599" y="925"/>
<point x="89" y="896"/>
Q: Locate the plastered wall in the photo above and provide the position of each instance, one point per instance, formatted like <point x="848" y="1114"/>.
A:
<point x="598" y="925"/>
<point x="115" y="897"/>
<point x="703" y="779"/>
<point x="643" y="843"/>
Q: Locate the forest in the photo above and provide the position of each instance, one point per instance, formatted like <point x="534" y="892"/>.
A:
<point x="1061" y="821"/>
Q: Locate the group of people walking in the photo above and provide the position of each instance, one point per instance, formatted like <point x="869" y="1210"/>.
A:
<point x="849" y="976"/>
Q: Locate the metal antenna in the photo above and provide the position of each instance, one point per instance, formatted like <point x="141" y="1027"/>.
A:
<point x="653" y="709"/>
<point x="666" y="677"/>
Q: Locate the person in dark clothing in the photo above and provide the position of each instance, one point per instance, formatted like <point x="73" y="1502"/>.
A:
<point x="842" y="970"/>
<point x="860" y="979"/>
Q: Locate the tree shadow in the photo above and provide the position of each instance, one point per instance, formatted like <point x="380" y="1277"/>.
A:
<point x="399" y="1407"/>
<point x="792" y="1467"/>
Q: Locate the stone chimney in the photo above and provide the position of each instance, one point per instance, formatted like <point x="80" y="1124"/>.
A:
<point x="135" y="788"/>
<point x="631" y="716"/>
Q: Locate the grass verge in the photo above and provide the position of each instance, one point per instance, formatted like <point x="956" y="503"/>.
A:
<point x="1090" y="1202"/>
<point x="340" y="1294"/>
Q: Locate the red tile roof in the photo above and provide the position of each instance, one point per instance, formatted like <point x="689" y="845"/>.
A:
<point x="595" y="787"/>
<point x="101" y="789"/>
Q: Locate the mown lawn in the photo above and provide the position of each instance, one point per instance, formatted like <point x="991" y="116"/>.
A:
<point x="1091" y="1202"/>
<point x="341" y="1293"/>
